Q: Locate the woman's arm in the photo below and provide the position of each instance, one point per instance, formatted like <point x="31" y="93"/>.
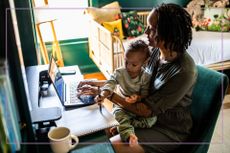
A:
<point x="177" y="89"/>
<point x="138" y="108"/>
<point x="165" y="98"/>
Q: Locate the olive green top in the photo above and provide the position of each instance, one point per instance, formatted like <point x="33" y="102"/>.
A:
<point x="170" y="94"/>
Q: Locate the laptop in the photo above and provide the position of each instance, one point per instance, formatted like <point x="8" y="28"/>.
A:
<point x="67" y="90"/>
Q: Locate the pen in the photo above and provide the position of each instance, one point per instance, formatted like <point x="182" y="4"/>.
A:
<point x="100" y="107"/>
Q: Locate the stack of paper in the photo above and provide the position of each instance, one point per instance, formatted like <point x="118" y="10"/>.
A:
<point x="86" y="120"/>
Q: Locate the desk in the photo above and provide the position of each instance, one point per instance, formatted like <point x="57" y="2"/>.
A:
<point x="98" y="142"/>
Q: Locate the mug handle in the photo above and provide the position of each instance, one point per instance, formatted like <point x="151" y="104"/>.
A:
<point x="76" y="141"/>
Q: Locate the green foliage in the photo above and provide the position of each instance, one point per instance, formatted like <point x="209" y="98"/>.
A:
<point x="220" y="22"/>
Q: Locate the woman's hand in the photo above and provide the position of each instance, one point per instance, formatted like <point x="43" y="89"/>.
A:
<point x="132" y="99"/>
<point x="139" y="108"/>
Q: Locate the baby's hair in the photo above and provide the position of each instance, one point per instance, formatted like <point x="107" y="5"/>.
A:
<point x="139" y="46"/>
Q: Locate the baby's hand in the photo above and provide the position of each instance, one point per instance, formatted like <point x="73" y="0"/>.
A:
<point x="132" y="99"/>
<point x="99" y="99"/>
<point x="86" y="82"/>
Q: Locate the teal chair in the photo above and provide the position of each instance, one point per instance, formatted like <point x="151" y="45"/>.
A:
<point x="208" y="95"/>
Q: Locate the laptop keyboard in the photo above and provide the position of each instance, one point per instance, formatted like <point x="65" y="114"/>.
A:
<point x="74" y="99"/>
<point x="73" y="92"/>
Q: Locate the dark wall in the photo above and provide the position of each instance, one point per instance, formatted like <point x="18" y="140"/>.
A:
<point x="2" y="29"/>
<point x="26" y="31"/>
<point x="8" y="43"/>
<point x="138" y="3"/>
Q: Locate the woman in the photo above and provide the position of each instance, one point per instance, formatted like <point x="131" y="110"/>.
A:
<point x="173" y="77"/>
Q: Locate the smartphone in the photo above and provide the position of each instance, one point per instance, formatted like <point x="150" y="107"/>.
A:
<point x="68" y="72"/>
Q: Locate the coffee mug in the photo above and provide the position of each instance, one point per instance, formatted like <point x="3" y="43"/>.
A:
<point x="61" y="140"/>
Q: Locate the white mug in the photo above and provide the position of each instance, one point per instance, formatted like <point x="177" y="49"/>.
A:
<point x="61" y="140"/>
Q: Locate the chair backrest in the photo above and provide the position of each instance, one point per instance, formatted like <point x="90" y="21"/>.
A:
<point x="207" y="98"/>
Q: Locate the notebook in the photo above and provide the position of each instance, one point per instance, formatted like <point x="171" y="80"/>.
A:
<point x="67" y="90"/>
<point x="87" y="120"/>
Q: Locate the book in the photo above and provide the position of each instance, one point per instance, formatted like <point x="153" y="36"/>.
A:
<point x="4" y="147"/>
<point x="86" y="120"/>
<point x="9" y="117"/>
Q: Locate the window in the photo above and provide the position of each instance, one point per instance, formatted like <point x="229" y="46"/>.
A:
<point x="70" y="21"/>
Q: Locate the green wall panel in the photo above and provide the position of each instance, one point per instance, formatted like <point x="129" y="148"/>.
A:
<point x="75" y="52"/>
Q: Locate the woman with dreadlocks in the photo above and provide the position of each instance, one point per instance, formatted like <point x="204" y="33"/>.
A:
<point x="173" y="77"/>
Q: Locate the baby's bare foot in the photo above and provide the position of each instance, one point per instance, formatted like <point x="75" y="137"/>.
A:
<point x="133" y="140"/>
<point x="113" y="130"/>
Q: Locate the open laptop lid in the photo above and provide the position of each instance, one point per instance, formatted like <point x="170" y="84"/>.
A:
<point x="57" y="79"/>
<point x="60" y="87"/>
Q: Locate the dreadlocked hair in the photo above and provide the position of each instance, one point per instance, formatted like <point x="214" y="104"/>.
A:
<point x="174" y="27"/>
<point x="139" y="46"/>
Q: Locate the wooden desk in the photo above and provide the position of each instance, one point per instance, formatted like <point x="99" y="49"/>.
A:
<point x="97" y="142"/>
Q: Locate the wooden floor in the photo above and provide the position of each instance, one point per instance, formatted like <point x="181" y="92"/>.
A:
<point x="98" y="76"/>
<point x="221" y="138"/>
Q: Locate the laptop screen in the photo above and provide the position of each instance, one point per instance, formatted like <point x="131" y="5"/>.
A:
<point x="56" y="78"/>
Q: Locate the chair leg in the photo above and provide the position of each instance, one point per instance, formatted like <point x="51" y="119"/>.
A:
<point x="42" y="46"/>
<point x="56" y="47"/>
